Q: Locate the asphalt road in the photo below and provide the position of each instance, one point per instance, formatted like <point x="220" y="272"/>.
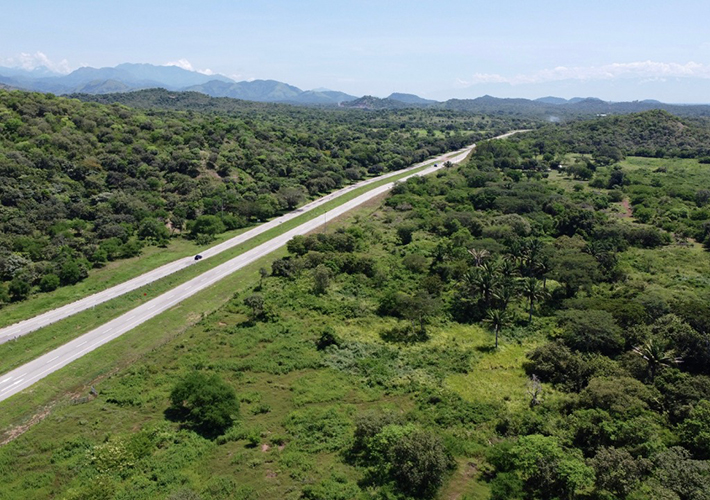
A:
<point x="29" y="325"/>
<point x="19" y="379"/>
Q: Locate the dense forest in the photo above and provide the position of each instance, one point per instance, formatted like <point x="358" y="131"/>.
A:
<point x="82" y="184"/>
<point x="509" y="329"/>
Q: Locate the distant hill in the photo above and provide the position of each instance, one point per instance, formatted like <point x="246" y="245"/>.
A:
<point x="411" y="99"/>
<point x="551" y="100"/>
<point x="129" y="77"/>
<point x="371" y="102"/>
<point x="257" y="90"/>
<point x="552" y="109"/>
<point x="122" y="78"/>
<point x="650" y="133"/>
<point x="325" y="97"/>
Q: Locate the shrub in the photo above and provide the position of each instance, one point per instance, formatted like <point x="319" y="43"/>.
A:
<point x="49" y="283"/>
<point x="205" y="403"/>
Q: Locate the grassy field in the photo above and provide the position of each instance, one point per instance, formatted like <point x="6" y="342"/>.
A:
<point x="298" y="404"/>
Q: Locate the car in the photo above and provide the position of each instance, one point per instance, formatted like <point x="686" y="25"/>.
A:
<point x="198" y="256"/>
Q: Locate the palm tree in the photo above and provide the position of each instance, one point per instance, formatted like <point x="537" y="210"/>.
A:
<point x="497" y="319"/>
<point x="484" y="282"/>
<point x="478" y="256"/>
<point x="657" y="356"/>
<point x="506" y="291"/>
<point x="533" y="291"/>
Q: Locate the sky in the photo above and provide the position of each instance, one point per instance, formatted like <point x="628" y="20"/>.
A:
<point x="614" y="50"/>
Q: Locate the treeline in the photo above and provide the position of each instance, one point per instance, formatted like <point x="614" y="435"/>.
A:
<point x="654" y="133"/>
<point x="82" y="184"/>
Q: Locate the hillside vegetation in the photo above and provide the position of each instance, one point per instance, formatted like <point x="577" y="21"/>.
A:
<point x="82" y="184"/>
<point x="654" y="133"/>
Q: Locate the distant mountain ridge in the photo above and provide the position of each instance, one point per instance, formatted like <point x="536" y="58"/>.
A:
<point x="130" y="77"/>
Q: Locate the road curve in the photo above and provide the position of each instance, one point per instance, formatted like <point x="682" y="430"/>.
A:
<point x="19" y="379"/>
<point x="29" y="325"/>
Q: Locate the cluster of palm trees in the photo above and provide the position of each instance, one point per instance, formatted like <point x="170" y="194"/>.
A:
<point x="495" y="283"/>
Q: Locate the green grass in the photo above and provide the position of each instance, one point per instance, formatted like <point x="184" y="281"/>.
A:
<point x="284" y="389"/>
<point x="29" y="347"/>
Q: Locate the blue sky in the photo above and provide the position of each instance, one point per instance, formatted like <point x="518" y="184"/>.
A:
<point x="612" y="49"/>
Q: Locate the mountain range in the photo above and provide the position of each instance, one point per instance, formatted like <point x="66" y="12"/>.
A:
<point x="129" y="77"/>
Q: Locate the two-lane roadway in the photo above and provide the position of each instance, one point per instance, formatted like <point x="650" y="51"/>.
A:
<point x="16" y="380"/>
<point x="29" y="325"/>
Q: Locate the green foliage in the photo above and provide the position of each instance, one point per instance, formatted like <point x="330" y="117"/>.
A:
<point x="694" y="431"/>
<point x="319" y="429"/>
<point x="333" y="488"/>
<point x="205" y="403"/>
<point x="415" y="460"/>
<point x="99" y="180"/>
<point x="546" y="469"/>
<point x="591" y="331"/>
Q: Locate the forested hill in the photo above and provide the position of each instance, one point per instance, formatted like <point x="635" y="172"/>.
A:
<point x="653" y="133"/>
<point x="83" y="183"/>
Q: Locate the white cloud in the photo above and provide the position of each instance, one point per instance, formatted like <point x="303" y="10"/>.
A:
<point x="38" y="59"/>
<point x="186" y="65"/>
<point x="181" y="63"/>
<point x="642" y="69"/>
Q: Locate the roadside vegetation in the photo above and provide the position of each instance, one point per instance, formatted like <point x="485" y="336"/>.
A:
<point x="83" y="185"/>
<point x="505" y="329"/>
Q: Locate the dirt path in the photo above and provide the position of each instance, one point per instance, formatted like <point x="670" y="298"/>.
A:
<point x="628" y="211"/>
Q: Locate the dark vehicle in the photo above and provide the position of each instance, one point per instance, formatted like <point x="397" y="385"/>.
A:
<point x="198" y="256"/>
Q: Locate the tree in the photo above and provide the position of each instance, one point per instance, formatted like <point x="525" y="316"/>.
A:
<point x="657" y="356"/>
<point x="418" y="462"/>
<point x="154" y="230"/>
<point x="72" y="272"/>
<point x="546" y="469"/>
<point x="49" y="282"/>
<point x="208" y="225"/>
<point x="533" y="291"/>
<point x="291" y="197"/>
<point x="479" y="256"/>
<point x="404" y="233"/>
<point x="421" y="308"/>
<point x="255" y="303"/>
<point x="617" y="472"/>
<point x="591" y="331"/>
<point x="263" y="274"/>
<point x="19" y="288"/>
<point x="484" y="282"/>
<point x="321" y="279"/>
<point x="205" y="403"/>
<point x="575" y="269"/>
<point x="694" y="432"/>
<point x="497" y="319"/>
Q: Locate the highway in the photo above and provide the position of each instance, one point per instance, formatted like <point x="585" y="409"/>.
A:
<point x="23" y="377"/>
<point x="29" y="325"/>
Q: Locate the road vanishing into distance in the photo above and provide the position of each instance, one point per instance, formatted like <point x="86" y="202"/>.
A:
<point x="29" y="325"/>
<point x="20" y="378"/>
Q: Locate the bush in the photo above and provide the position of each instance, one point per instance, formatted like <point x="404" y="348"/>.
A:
<point x="205" y="403"/>
<point x="415" y="460"/>
<point x="49" y="283"/>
